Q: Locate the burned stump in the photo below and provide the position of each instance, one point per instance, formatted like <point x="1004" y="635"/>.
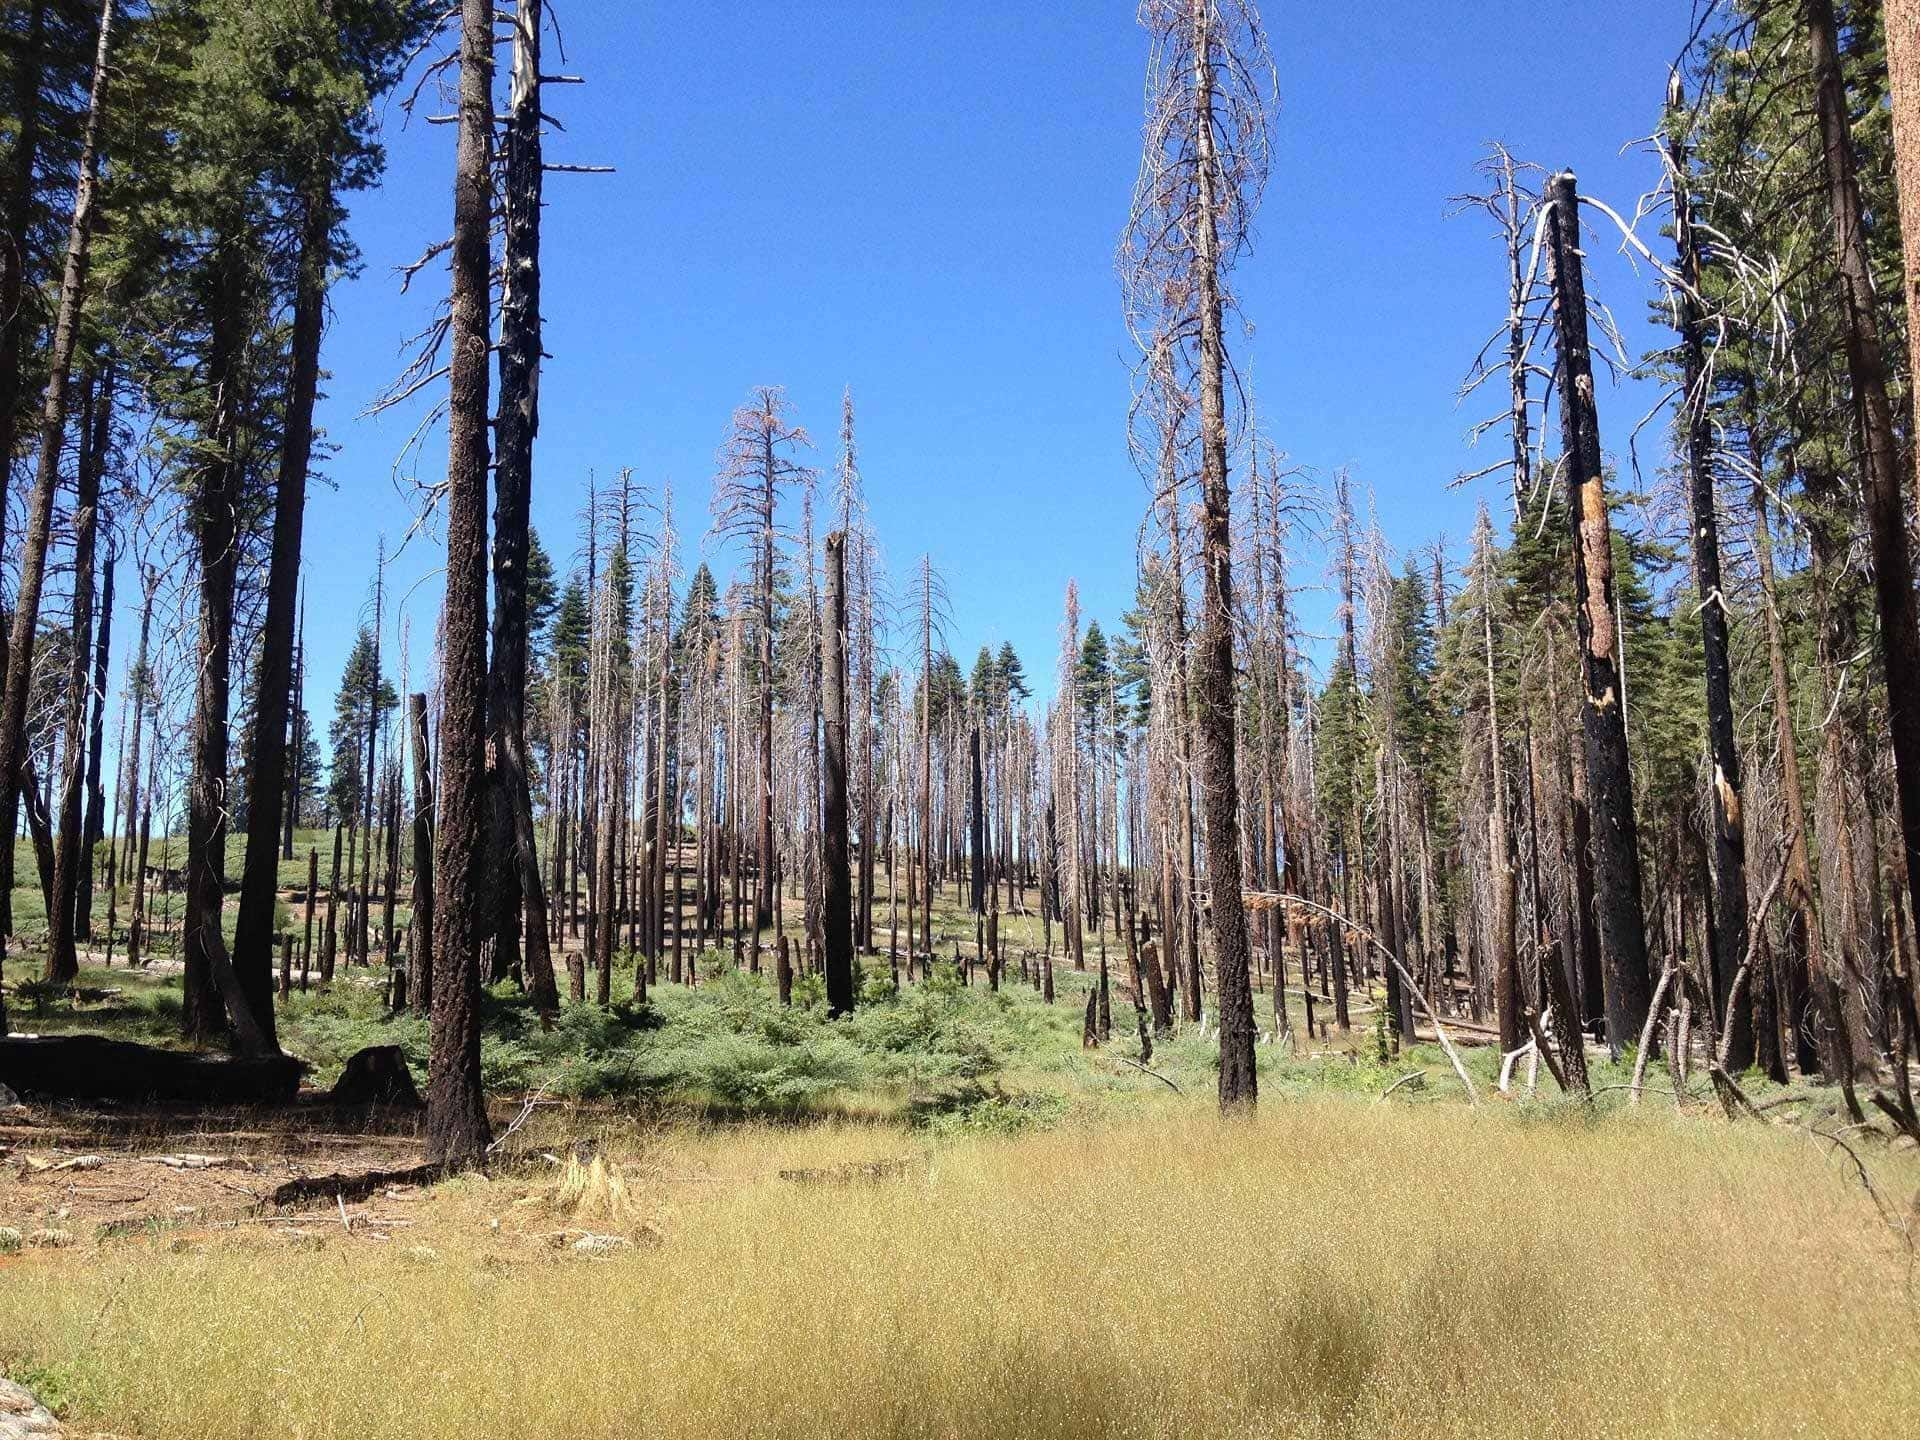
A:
<point x="377" y="1075"/>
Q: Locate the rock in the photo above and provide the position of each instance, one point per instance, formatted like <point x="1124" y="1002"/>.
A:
<point x="49" y="1239"/>
<point x="22" y="1417"/>
<point x="10" y="1240"/>
<point x="377" y="1075"/>
<point x="601" y="1244"/>
<point x="8" y="1100"/>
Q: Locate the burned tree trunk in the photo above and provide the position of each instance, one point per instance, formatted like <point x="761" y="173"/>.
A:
<point x="63" y="962"/>
<point x="1883" y="482"/>
<point x="1213" y="687"/>
<point x="93" y="828"/>
<point x="520" y="900"/>
<point x="457" y="1130"/>
<point x="1616" y="849"/>
<point x="977" y="833"/>
<point x="837" y="907"/>
<point x="214" y="1001"/>
<point x="53" y="426"/>
<point x="267" y="781"/>
<point x="421" y="939"/>
<point x="1729" y="822"/>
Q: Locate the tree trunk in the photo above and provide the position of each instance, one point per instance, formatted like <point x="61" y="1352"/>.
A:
<point x="520" y="914"/>
<point x="70" y="862"/>
<point x="457" y="1130"/>
<point x="53" y="428"/>
<point x="1616" y="851"/>
<point x="1885" y="488"/>
<point x="214" y="1001"/>
<point x="837" y="918"/>
<point x="93" y="829"/>
<point x="1805" y="951"/>
<point x="267" y="780"/>
<point x="1213" y="651"/>
<point x="1729" y="821"/>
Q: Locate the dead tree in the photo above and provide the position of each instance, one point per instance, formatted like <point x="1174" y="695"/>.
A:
<point x="756" y="464"/>
<point x="520" y="894"/>
<point x="837" y="909"/>
<point x="420" y="937"/>
<point x="457" y="1130"/>
<point x="1615" y="844"/>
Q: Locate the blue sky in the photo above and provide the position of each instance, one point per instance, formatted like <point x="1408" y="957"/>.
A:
<point x="921" y="201"/>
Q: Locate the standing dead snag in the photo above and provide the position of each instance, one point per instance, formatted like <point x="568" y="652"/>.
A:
<point x="457" y="1131"/>
<point x="755" y="465"/>
<point x="1202" y="170"/>
<point x="837" y="916"/>
<point x="520" y="893"/>
<point x="1616" y="849"/>
<point x="420" y="934"/>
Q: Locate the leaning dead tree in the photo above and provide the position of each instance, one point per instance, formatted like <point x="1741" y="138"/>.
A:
<point x="1203" y="166"/>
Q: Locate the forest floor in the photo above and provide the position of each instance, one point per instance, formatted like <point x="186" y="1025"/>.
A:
<point x="711" y="1214"/>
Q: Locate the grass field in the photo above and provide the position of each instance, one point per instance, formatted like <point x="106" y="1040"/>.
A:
<point x="944" y="1216"/>
<point x="1329" y="1268"/>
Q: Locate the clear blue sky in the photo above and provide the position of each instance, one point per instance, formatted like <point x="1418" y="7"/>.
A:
<point x="921" y="200"/>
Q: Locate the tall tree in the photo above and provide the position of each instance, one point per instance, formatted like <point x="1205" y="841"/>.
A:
<point x="1882" y="472"/>
<point x="1696" y="427"/>
<point x="53" y="426"/>
<point x="519" y="891"/>
<point x="1202" y="172"/>
<point x="756" y="466"/>
<point x="837" y="916"/>
<point x="1616" y="849"/>
<point x="457" y="1129"/>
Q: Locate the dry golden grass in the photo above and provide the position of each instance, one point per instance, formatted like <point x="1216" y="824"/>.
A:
<point x="1327" y="1269"/>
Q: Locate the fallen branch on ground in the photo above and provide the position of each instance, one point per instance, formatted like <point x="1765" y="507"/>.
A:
<point x="1419" y="1075"/>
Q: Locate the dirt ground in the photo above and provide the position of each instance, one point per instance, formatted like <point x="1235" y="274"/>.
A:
<point x="73" y="1175"/>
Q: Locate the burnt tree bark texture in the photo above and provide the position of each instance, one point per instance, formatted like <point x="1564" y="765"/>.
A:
<point x="1616" y="849"/>
<point x="837" y="905"/>
<point x="53" y="426"/>
<point x="266" y="782"/>
<point x="520" y="899"/>
<point x="1893" y="577"/>
<point x="457" y="1130"/>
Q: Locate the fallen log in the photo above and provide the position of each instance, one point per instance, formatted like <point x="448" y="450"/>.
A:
<point x="318" y="1189"/>
<point x="92" y="1067"/>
